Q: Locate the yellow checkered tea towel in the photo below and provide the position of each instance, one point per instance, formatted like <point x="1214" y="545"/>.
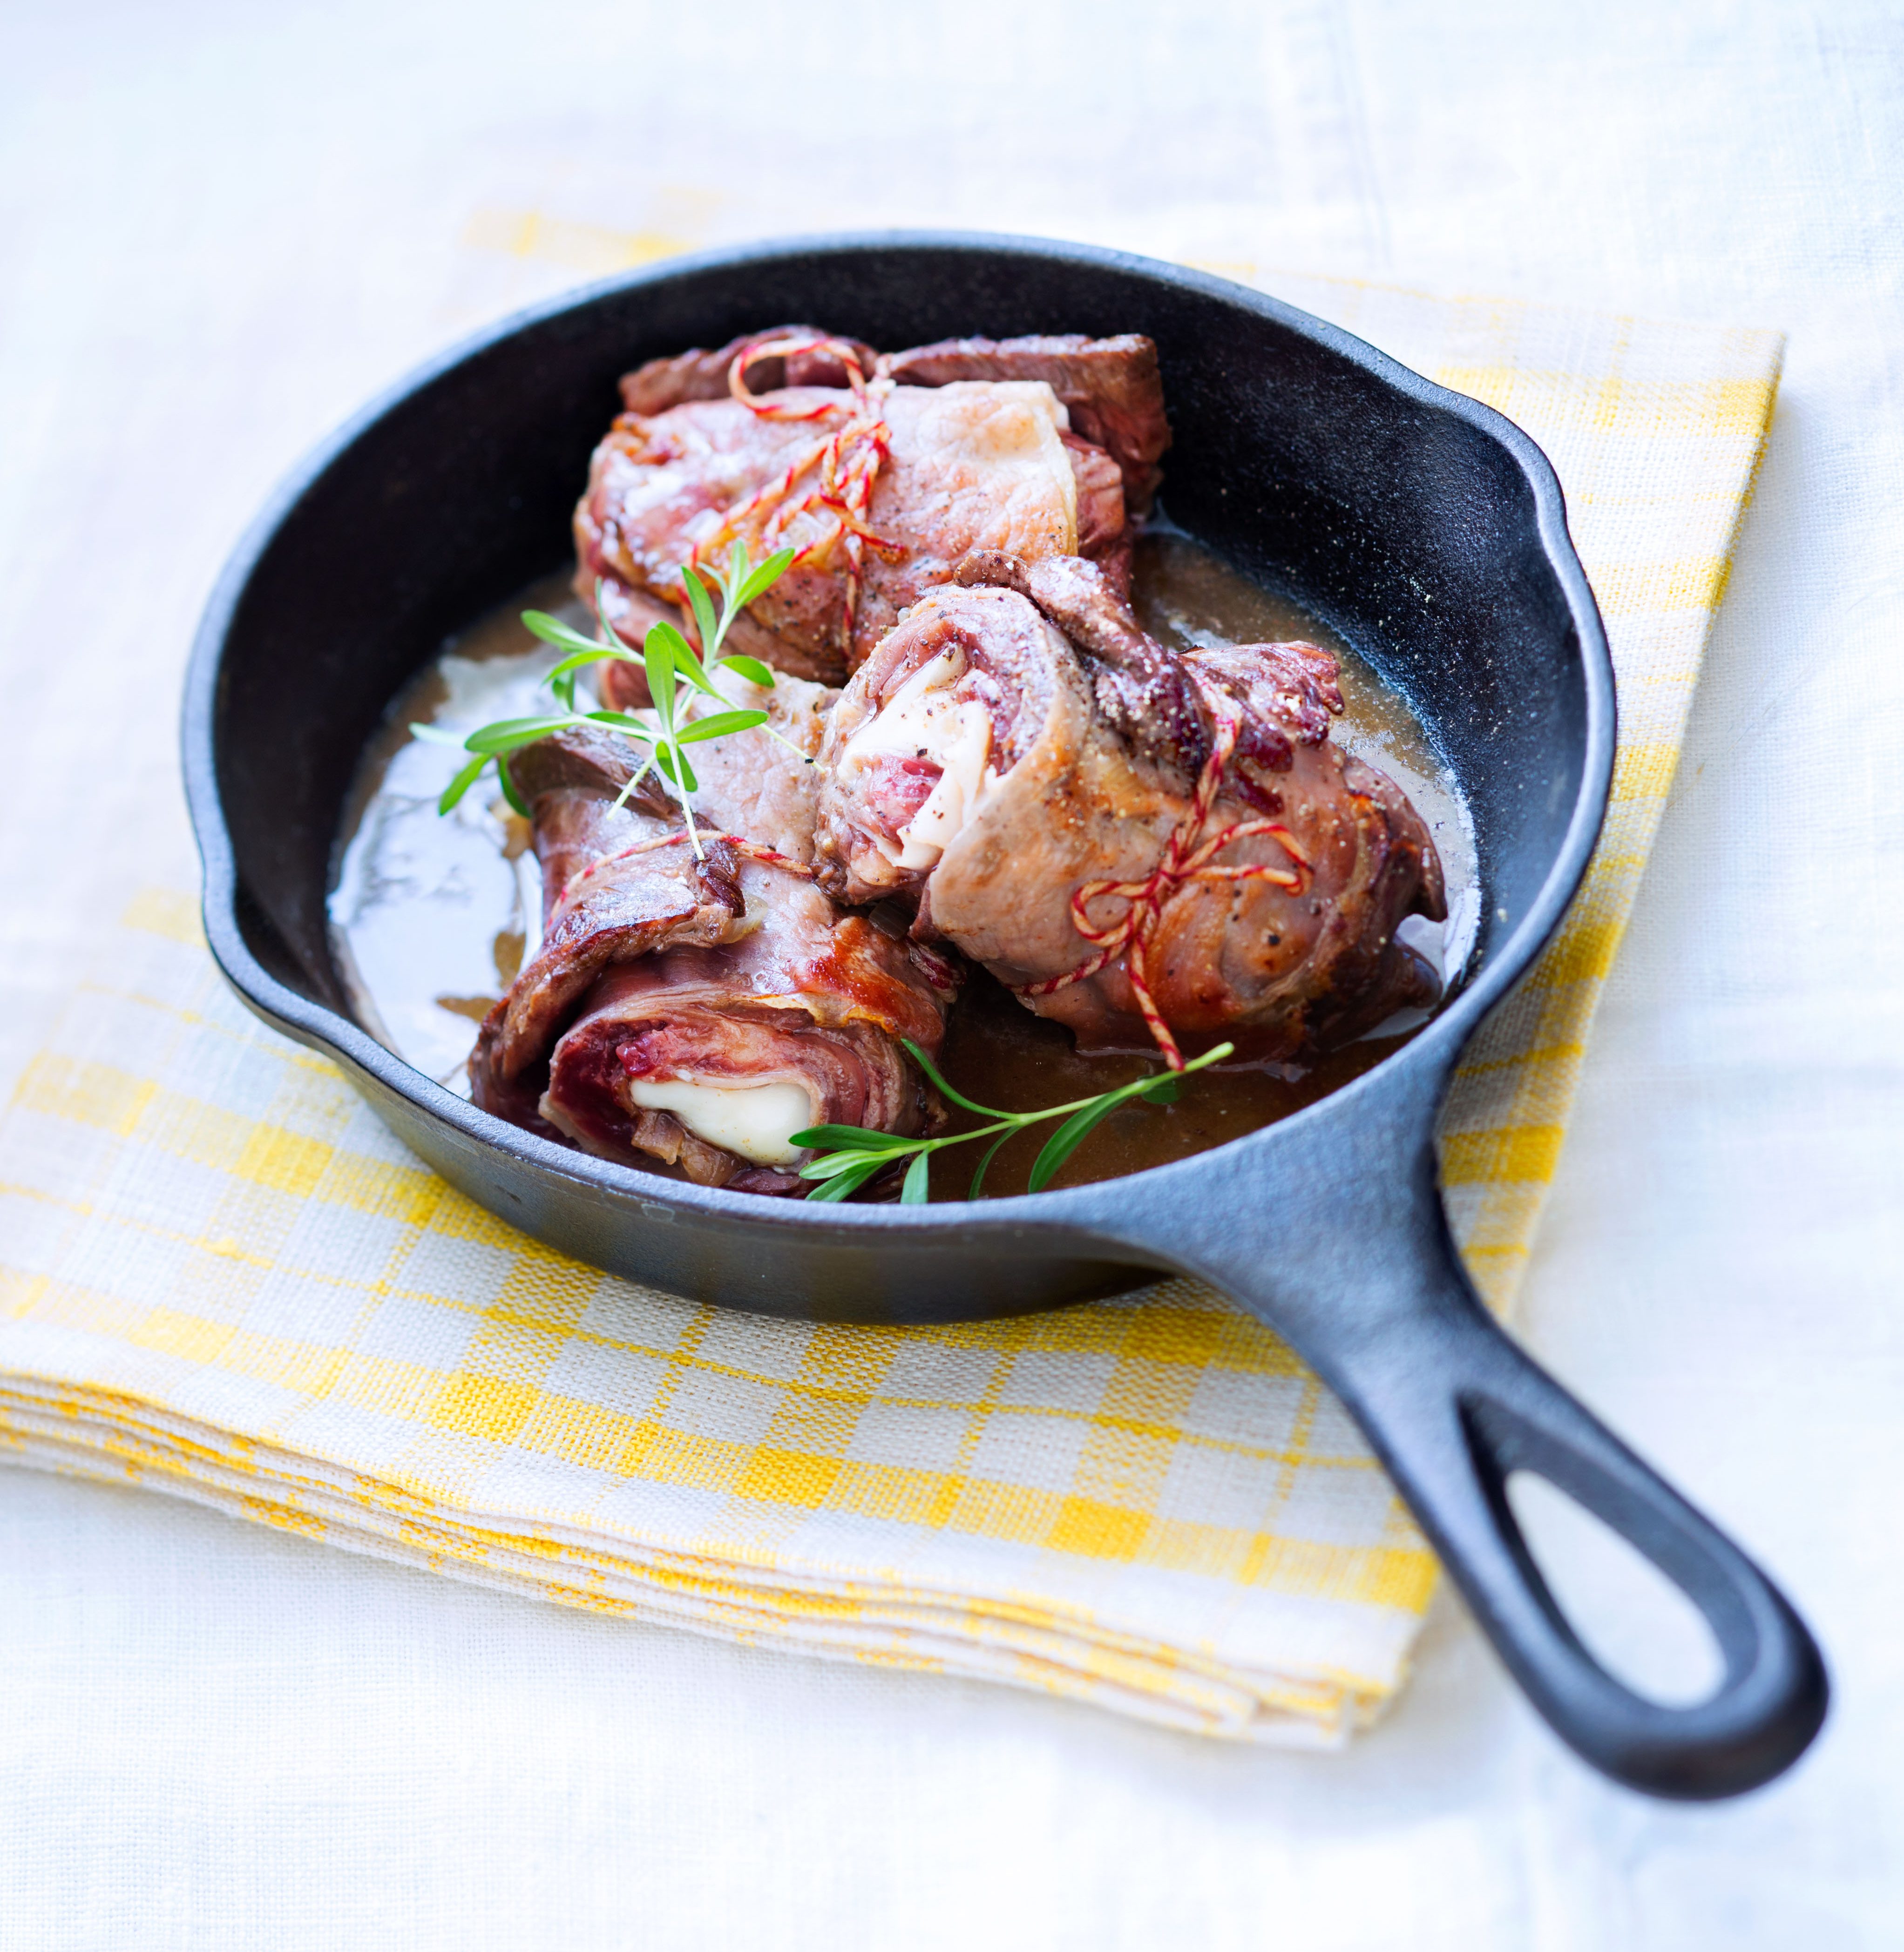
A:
<point x="221" y="1277"/>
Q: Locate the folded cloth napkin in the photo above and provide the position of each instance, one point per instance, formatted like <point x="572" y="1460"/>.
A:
<point x="221" y="1277"/>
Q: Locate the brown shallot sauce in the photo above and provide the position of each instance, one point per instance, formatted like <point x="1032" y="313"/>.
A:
<point x="431" y="916"/>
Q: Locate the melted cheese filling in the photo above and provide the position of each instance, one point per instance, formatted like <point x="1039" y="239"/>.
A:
<point x="758" y="1121"/>
<point x="923" y="720"/>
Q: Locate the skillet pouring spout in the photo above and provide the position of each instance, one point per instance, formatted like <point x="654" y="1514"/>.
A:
<point x="1346" y="1254"/>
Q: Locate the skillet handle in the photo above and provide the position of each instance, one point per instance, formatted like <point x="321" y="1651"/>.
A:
<point x="1452" y="1406"/>
<point x="1346" y="1253"/>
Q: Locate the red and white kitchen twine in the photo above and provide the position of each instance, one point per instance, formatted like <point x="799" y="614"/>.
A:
<point x="753" y="849"/>
<point x="1185" y="858"/>
<point x="848" y="460"/>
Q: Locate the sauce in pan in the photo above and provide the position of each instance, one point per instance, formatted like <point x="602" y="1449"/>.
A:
<point x="429" y="915"/>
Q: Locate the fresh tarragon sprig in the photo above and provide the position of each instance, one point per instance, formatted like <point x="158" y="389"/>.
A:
<point x="675" y="671"/>
<point x="851" y="1155"/>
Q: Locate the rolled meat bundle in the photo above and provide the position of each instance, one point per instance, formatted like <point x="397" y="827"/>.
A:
<point x="695" y="1011"/>
<point x="885" y="474"/>
<point x="1143" y="847"/>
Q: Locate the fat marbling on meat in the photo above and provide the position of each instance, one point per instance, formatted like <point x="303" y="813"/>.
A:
<point x="987" y="765"/>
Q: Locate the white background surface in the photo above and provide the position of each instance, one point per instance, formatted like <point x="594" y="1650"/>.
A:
<point x="222" y="226"/>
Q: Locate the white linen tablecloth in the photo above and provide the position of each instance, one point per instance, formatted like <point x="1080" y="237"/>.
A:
<point x="221" y="228"/>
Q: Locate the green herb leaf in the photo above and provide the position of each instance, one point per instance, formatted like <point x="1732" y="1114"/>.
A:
<point x="506" y="734"/>
<point x="752" y="669"/>
<point x="991" y="1152"/>
<point x="915" y="1190"/>
<point x="624" y="722"/>
<point x="509" y="792"/>
<point x="848" y="1182"/>
<point x="595" y="654"/>
<point x="658" y="655"/>
<point x="553" y="631"/>
<point x="701" y="604"/>
<point x="831" y="1164"/>
<point x="718" y="724"/>
<point x="562" y="679"/>
<point x="1066" y="1140"/>
<point x="857" y="1138"/>
<point x="1162" y="1088"/>
<point x="926" y="1064"/>
<point x="462" y="784"/>
<point x="673" y="763"/>
<point x="764" y="578"/>
<point x="434" y="735"/>
<point x="667" y="659"/>
<point x="688" y="663"/>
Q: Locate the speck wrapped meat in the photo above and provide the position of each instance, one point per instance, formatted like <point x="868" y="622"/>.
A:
<point x="692" y="1012"/>
<point x="1145" y="846"/>
<point x="1111" y="388"/>
<point x="885" y="485"/>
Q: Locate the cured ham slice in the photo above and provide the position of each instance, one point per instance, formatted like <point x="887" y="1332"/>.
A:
<point x="672" y="1053"/>
<point x="885" y="476"/>
<point x="1143" y="847"/>
<point x="693" y="1012"/>
<point x="699" y="375"/>
<point x="1111" y="389"/>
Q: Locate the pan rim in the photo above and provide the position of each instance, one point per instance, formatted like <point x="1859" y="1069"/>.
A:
<point x="1432" y="1051"/>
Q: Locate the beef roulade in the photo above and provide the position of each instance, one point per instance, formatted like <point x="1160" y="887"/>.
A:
<point x="884" y="476"/>
<point x="1143" y="847"/>
<point x="694" y="1011"/>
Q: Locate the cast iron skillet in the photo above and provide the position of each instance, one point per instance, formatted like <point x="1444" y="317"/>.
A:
<point x="1427" y="527"/>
